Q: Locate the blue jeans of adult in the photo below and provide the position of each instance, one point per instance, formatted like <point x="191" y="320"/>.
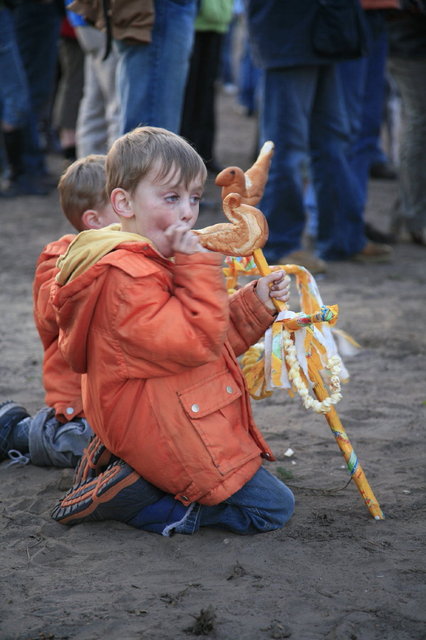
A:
<point x="363" y="82"/>
<point x="14" y="94"/>
<point x="248" y="80"/>
<point x="263" y="504"/>
<point x="151" y="77"/>
<point x="303" y="113"/>
<point x="37" y="32"/>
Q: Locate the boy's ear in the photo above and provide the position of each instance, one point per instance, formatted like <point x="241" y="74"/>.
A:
<point x="90" y="220"/>
<point x="120" y="200"/>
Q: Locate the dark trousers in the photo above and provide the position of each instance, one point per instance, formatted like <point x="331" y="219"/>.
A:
<point x="199" y="118"/>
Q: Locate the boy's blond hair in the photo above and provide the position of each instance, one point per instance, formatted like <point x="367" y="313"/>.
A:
<point x="82" y="187"/>
<point x="135" y="153"/>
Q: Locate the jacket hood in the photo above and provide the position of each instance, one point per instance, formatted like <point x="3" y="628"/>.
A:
<point x="82" y="273"/>
<point x="89" y="247"/>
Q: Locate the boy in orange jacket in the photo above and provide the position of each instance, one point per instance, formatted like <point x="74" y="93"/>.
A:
<point x="144" y="315"/>
<point x="58" y="433"/>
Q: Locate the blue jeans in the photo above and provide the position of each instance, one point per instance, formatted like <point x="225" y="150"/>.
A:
<point x="263" y="504"/>
<point x="56" y="444"/>
<point x="151" y="77"/>
<point x="37" y="32"/>
<point x="363" y="82"/>
<point x="14" y="94"/>
<point x="248" y="80"/>
<point x="303" y="113"/>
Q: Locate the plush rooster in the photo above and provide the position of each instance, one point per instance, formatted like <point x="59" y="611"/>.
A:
<point x="251" y="184"/>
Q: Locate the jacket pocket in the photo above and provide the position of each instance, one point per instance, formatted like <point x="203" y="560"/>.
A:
<point x="213" y="407"/>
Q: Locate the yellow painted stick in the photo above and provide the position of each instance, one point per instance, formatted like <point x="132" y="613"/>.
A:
<point x="351" y="459"/>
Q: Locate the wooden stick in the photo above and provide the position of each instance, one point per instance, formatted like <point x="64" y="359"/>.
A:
<point x="351" y="459"/>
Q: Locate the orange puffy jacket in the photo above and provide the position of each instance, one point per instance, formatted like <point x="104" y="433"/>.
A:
<point x="158" y="341"/>
<point x="62" y="385"/>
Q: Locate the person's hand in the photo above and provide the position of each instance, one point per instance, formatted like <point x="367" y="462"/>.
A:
<point x="183" y="239"/>
<point x="274" y="285"/>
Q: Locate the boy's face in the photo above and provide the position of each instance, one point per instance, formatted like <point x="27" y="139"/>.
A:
<point x="158" y="203"/>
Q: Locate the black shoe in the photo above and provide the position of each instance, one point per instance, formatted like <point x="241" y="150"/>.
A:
<point x="69" y="153"/>
<point x="418" y="237"/>
<point x="10" y="414"/>
<point x="383" y="171"/>
<point x="375" y="235"/>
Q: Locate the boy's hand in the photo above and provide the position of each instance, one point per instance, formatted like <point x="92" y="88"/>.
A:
<point x="274" y="285"/>
<point x="183" y="239"/>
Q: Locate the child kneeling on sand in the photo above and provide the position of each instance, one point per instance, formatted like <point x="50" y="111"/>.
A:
<point x="145" y="316"/>
<point x="58" y="434"/>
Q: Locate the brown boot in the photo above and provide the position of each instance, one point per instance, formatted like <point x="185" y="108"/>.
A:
<point x="304" y="259"/>
<point x="374" y="252"/>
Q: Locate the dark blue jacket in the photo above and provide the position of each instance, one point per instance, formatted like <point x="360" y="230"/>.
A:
<point x="281" y="33"/>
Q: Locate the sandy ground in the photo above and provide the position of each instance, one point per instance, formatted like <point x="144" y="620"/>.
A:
<point x="333" y="573"/>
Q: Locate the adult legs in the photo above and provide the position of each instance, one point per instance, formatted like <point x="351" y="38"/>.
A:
<point x="68" y="95"/>
<point x="14" y="103"/>
<point x="409" y="75"/>
<point x="37" y="31"/>
<point x="363" y="82"/>
<point x="287" y="96"/>
<point x="198" y="116"/>
<point x="339" y="201"/>
<point x="98" y="117"/>
<point x="152" y="77"/>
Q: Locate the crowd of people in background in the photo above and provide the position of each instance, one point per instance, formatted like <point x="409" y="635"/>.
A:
<point x="73" y="81"/>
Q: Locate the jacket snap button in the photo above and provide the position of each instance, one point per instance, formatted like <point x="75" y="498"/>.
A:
<point x="195" y="408"/>
<point x="69" y="410"/>
<point x="229" y="389"/>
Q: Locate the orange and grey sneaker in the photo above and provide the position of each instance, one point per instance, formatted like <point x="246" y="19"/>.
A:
<point x="94" y="460"/>
<point x="117" y="493"/>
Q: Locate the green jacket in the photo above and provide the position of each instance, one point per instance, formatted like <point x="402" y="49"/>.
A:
<point x="214" y="15"/>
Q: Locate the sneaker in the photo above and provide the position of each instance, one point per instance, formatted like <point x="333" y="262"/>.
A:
<point x="375" y="235"/>
<point x="374" y="252"/>
<point x="118" y="493"/>
<point x="93" y="462"/>
<point x="382" y="171"/>
<point x="418" y="237"/>
<point x="10" y="414"/>
<point x="304" y="259"/>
